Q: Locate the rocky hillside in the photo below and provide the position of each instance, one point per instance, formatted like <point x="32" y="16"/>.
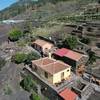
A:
<point x="44" y="9"/>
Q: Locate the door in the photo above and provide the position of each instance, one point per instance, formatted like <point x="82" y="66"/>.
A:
<point x="62" y="75"/>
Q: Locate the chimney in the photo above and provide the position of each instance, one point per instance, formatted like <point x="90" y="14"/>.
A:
<point x="50" y="55"/>
<point x="50" y="38"/>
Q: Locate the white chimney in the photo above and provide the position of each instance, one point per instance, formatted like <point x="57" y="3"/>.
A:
<point x="50" y="55"/>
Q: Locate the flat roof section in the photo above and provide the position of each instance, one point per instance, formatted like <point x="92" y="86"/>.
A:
<point x="67" y="94"/>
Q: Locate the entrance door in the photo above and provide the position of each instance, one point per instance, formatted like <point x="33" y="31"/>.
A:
<point x="62" y="75"/>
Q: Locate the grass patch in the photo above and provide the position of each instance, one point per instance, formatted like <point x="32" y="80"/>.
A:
<point x="45" y="31"/>
<point x="7" y="90"/>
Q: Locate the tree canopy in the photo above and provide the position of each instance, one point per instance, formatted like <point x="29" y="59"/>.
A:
<point x="27" y="83"/>
<point x="32" y="56"/>
<point x="70" y="42"/>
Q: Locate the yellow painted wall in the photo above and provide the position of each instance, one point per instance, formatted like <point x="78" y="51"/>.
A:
<point x="57" y="76"/>
<point x="41" y="72"/>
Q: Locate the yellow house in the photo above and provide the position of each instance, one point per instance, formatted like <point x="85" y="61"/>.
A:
<point x="52" y="70"/>
<point x="43" y="46"/>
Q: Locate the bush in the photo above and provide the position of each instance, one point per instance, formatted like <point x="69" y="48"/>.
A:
<point x="85" y="40"/>
<point x="92" y="57"/>
<point x="15" y="34"/>
<point x="27" y="83"/>
<point x="25" y="58"/>
<point x="7" y="90"/>
<point x="34" y="96"/>
<point x="19" y="58"/>
<point x="32" y="56"/>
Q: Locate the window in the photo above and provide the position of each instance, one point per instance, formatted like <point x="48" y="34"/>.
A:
<point x="46" y="48"/>
<point x="68" y="70"/>
<point x="46" y="74"/>
<point x="40" y="48"/>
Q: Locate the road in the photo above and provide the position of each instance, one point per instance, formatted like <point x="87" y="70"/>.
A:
<point x="3" y="37"/>
<point x="10" y="74"/>
<point x="4" y="29"/>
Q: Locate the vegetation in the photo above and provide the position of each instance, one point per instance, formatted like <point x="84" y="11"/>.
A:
<point x="16" y="8"/>
<point x="92" y="57"/>
<point x="70" y="42"/>
<point x="20" y="7"/>
<point x="98" y="1"/>
<point x="32" y="56"/>
<point x="25" y="58"/>
<point x="34" y="96"/>
<point x="27" y="83"/>
<point x="23" y="5"/>
<point x="21" y="43"/>
<point x="85" y="40"/>
<point x="19" y="58"/>
<point x="15" y="34"/>
<point x="2" y="63"/>
<point x="28" y="27"/>
<point x="7" y="90"/>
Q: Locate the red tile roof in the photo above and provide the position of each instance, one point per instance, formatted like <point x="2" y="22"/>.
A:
<point x="61" y="52"/>
<point x="51" y="66"/>
<point x="67" y="94"/>
<point x="68" y="53"/>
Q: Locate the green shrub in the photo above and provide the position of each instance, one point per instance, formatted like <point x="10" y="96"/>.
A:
<point x="92" y="57"/>
<point x="32" y="56"/>
<point x="15" y="34"/>
<point x="27" y="83"/>
<point x="34" y="96"/>
<point x="85" y="40"/>
<point x="19" y="58"/>
<point x="7" y="90"/>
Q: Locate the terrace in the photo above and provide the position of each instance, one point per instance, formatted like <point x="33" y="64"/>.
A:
<point x="83" y="89"/>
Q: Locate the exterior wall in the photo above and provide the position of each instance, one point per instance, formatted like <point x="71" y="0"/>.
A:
<point x="47" y="47"/>
<point x="74" y="64"/>
<point x="96" y="80"/>
<point x="37" y="47"/>
<point x="41" y="72"/>
<point x="83" y="61"/>
<point x="57" y="77"/>
<point x="66" y="60"/>
<point x="70" y="62"/>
